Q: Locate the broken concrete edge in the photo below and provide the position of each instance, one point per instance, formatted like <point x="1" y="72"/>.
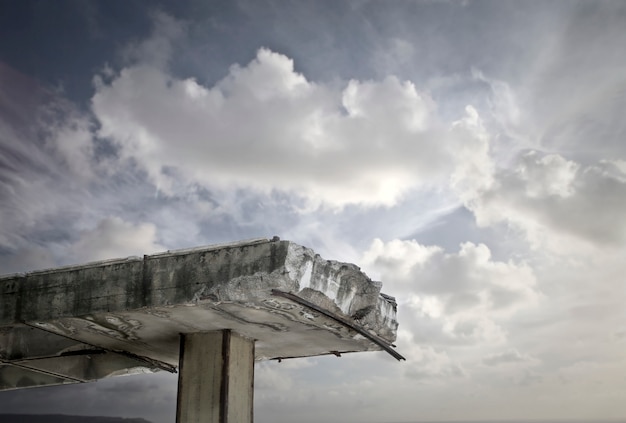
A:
<point x="334" y="286"/>
<point x="303" y="283"/>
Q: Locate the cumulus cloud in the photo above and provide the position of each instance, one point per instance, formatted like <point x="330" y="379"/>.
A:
<point x="463" y="295"/>
<point x="274" y="376"/>
<point x="424" y="362"/>
<point x="266" y="127"/>
<point x="557" y="203"/>
<point x="268" y="377"/>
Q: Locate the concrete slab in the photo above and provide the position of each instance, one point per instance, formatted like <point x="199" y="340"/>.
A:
<point x="123" y="316"/>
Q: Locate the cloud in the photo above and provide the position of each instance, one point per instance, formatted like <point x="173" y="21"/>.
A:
<point x="112" y="237"/>
<point x="70" y="138"/>
<point x="46" y="161"/>
<point x="156" y="49"/>
<point x="424" y="362"/>
<point x="511" y="356"/>
<point x="115" y="238"/>
<point x="557" y="203"/>
<point x="271" y="378"/>
<point x="393" y="55"/>
<point x="168" y="160"/>
<point x="461" y="296"/>
<point x="574" y="90"/>
<point x="266" y="127"/>
<point x="27" y="258"/>
<point x="60" y="192"/>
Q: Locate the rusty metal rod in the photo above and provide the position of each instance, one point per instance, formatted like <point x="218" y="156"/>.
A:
<point x="375" y="339"/>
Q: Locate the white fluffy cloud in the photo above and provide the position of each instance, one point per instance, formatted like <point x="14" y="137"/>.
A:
<point x="557" y="203"/>
<point x="424" y="362"/>
<point x="462" y="296"/>
<point x="265" y="126"/>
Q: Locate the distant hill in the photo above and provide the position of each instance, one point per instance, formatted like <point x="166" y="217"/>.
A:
<point x="60" y="418"/>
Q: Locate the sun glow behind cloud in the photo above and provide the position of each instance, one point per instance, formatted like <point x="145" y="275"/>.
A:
<point x="265" y="127"/>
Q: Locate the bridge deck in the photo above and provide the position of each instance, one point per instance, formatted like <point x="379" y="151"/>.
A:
<point x="82" y="323"/>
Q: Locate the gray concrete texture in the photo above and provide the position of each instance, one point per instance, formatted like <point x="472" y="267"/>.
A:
<point x="82" y="323"/>
<point x="216" y="381"/>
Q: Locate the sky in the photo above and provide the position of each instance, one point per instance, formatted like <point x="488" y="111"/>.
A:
<point x="471" y="155"/>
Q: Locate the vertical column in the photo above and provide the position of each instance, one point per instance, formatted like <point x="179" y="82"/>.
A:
<point x="216" y="378"/>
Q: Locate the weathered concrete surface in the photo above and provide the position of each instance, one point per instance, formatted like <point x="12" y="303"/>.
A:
<point x="86" y="322"/>
<point x="215" y="383"/>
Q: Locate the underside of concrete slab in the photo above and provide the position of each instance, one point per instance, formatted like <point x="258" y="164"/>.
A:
<point x="124" y="316"/>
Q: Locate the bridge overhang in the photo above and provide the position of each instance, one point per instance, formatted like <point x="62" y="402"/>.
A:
<point x="124" y="316"/>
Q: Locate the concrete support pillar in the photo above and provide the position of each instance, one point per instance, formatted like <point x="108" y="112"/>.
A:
<point x="216" y="378"/>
